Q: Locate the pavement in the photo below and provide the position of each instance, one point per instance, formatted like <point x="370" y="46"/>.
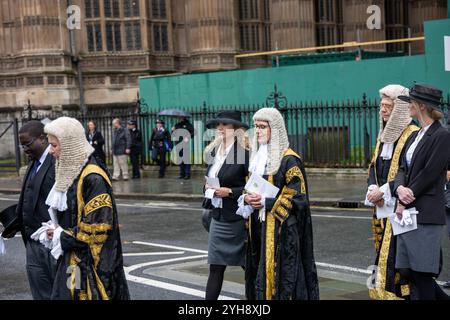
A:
<point x="327" y="187"/>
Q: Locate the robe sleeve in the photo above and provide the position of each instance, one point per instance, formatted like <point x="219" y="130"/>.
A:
<point x="294" y="191"/>
<point x="97" y="218"/>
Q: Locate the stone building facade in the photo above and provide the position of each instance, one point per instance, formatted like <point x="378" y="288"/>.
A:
<point x="99" y="65"/>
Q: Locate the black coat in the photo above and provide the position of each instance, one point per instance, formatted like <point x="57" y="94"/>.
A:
<point x="121" y="141"/>
<point x="158" y="139"/>
<point x="231" y="175"/>
<point x="97" y="137"/>
<point x="427" y="175"/>
<point x="136" y="141"/>
<point x="33" y="211"/>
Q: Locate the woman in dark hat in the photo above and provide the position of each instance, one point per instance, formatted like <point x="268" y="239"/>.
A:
<point x="96" y="140"/>
<point x="228" y="158"/>
<point x="160" y="144"/>
<point x="419" y="184"/>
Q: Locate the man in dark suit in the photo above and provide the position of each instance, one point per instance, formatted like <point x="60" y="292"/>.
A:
<point x="32" y="210"/>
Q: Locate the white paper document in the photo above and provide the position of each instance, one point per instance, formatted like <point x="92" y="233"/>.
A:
<point x="209" y="193"/>
<point x="389" y="203"/>
<point x="408" y="222"/>
<point x="213" y="182"/>
<point x="384" y="212"/>
<point x="259" y="185"/>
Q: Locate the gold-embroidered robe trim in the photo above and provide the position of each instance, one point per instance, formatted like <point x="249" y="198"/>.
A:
<point x="379" y="291"/>
<point x="95" y="227"/>
<point x="100" y="201"/>
<point x="91" y="169"/>
<point x="74" y="273"/>
<point x="92" y="239"/>
<point x="270" y="253"/>
<point x="293" y="172"/>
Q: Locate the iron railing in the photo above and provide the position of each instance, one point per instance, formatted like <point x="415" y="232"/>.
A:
<point x="338" y="134"/>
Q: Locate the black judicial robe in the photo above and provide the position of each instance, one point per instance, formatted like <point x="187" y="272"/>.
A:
<point x="280" y="261"/>
<point x="91" y="267"/>
<point x="390" y="286"/>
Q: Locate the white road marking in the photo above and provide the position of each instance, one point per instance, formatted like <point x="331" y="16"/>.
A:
<point x="166" y="285"/>
<point x="335" y="266"/>
<point x="157" y="207"/>
<point x="172" y="287"/>
<point x="173" y="207"/>
<point x="169" y="247"/>
<point x="8" y="199"/>
<point x="152" y="263"/>
<point x="340" y="217"/>
<point x="138" y="254"/>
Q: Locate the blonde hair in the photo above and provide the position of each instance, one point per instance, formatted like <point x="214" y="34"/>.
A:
<point x="431" y="112"/>
<point x="435" y="114"/>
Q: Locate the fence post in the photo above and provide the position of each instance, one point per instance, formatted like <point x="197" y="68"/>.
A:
<point x="17" y="145"/>
<point x="366" y="133"/>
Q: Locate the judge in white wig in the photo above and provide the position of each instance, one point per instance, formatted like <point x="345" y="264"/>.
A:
<point x="86" y="237"/>
<point x="280" y="261"/>
<point x="396" y="127"/>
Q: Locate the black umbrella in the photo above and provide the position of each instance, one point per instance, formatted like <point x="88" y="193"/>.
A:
<point x="175" y="113"/>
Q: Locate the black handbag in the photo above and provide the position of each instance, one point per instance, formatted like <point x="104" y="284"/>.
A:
<point x="206" y="214"/>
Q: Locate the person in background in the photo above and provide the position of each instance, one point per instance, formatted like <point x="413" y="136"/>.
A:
<point x="419" y="184"/>
<point x="136" y="147"/>
<point x="121" y="146"/>
<point x="96" y="140"/>
<point x="159" y="145"/>
<point x="185" y="165"/>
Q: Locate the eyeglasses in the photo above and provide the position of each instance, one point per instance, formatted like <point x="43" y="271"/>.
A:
<point x="29" y="144"/>
<point x="261" y="126"/>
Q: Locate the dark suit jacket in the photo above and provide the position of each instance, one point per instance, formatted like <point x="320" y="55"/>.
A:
<point x="42" y="184"/>
<point x="232" y="175"/>
<point x="427" y="175"/>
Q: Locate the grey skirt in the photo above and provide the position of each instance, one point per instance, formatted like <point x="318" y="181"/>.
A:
<point x="420" y="249"/>
<point x="226" y="243"/>
<point x="448" y="221"/>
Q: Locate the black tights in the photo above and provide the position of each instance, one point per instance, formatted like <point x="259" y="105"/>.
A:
<point x="423" y="286"/>
<point x="215" y="281"/>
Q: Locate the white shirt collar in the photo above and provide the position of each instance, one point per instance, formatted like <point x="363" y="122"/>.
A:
<point x="259" y="162"/>
<point x="44" y="155"/>
<point x="227" y="150"/>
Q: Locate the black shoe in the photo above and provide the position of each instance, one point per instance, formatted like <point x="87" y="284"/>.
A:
<point x="446" y="285"/>
<point x="160" y="176"/>
<point x="187" y="178"/>
<point x="181" y="177"/>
